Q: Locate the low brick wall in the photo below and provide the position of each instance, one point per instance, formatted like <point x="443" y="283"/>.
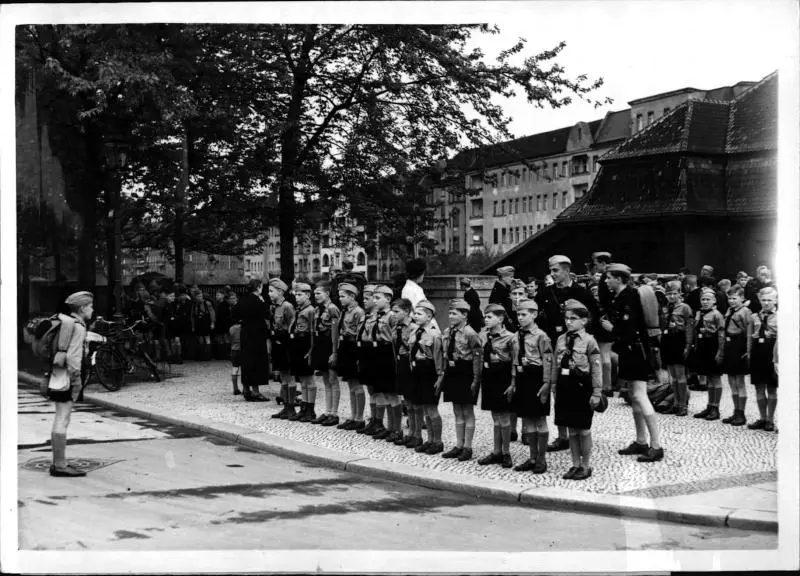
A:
<point x="441" y="289"/>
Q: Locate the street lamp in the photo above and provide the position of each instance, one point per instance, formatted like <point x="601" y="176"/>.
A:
<point x="116" y="153"/>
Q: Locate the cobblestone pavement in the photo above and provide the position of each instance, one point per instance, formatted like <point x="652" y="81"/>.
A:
<point x="700" y="455"/>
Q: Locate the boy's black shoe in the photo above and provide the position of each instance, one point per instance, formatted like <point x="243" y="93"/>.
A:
<point x="558" y="444"/>
<point x="757" y="425"/>
<point x="713" y="414"/>
<point x="652" y="455"/>
<point x="582" y="474"/>
<point x="402" y="440"/>
<point x="514" y="436"/>
<point x="729" y="419"/>
<point x="414" y="443"/>
<point x="320" y="419"/>
<point x="506" y="461"/>
<point x="491" y="459"/>
<point x="358" y="427"/>
<point x="525" y="466"/>
<point x="570" y="473"/>
<point x="381" y="434"/>
<point x="540" y="467"/>
<point x="345" y="425"/>
<point x="703" y="413"/>
<point x="454" y="452"/>
<point x="634" y="448"/>
<point x="435" y="448"/>
<point x="237" y="392"/>
<point x="377" y="429"/>
<point x="738" y="418"/>
<point x="331" y="420"/>
<point x="769" y="427"/>
<point x="66" y="472"/>
<point x="682" y="411"/>
<point x="423" y="447"/>
<point x="295" y="416"/>
<point x="393" y="436"/>
<point x="466" y="454"/>
<point x="310" y="415"/>
<point x="280" y="415"/>
<point x="369" y="428"/>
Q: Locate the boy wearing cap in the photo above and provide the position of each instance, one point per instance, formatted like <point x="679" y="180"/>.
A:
<point x="738" y="322"/>
<point x="282" y="318"/>
<point x="497" y="382"/>
<point x="518" y="293"/>
<point x="600" y="261"/>
<point x="301" y="345"/>
<point x="531" y="389"/>
<point x="579" y="385"/>
<point x="427" y="372"/>
<point x="462" y="360"/>
<point x="347" y="357"/>
<point x="551" y="316"/>
<point x="377" y="355"/>
<point x="676" y="344"/>
<point x="402" y="329"/>
<point x="364" y="362"/>
<point x="708" y="349"/>
<point x="632" y="344"/>
<point x="67" y="363"/>
<point x="762" y="352"/>
<point x="326" y="344"/>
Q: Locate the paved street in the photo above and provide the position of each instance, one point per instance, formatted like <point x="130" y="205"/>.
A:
<point x="160" y="487"/>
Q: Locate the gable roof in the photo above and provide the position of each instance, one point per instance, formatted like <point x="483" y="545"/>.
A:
<point x="753" y="120"/>
<point x="614" y="126"/>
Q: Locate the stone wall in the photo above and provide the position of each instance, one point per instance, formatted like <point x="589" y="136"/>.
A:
<point x="441" y="289"/>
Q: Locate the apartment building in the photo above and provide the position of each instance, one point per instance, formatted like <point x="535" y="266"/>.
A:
<point x="499" y="196"/>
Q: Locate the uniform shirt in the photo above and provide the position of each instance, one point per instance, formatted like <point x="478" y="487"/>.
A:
<point x="304" y="320"/>
<point x="422" y="341"/>
<point x="551" y="314"/>
<point x="737" y="320"/>
<point x="377" y="327"/>
<point x="282" y="316"/>
<point x="71" y="338"/>
<point x="467" y="345"/>
<point x="769" y="320"/>
<point x="401" y="336"/>
<point x="351" y="320"/>
<point x="679" y="316"/>
<point x="585" y="357"/>
<point x="710" y="322"/>
<point x="536" y="350"/>
<point x="235" y="332"/>
<point x="504" y="345"/>
<point x="627" y="316"/>
<point x="325" y="316"/>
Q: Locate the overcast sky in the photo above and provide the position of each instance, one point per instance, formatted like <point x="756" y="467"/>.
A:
<point x="640" y="48"/>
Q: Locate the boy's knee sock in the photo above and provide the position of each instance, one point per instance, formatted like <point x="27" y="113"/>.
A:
<point x="361" y="401"/>
<point x="380" y="410"/>
<point x="513" y="422"/>
<point x="761" y="400"/>
<point x="586" y="448"/>
<point x="533" y="444"/>
<point x="436" y="424"/>
<point x="506" y="437"/>
<point x="543" y="438"/>
<point x="412" y="420"/>
<point x="772" y="403"/>
<point x="336" y="393"/>
<point x="575" y="449"/>
<point x="235" y="381"/>
<point x="353" y="403"/>
<point x="742" y="402"/>
<point x="419" y="419"/>
<point x="562" y="433"/>
<point x="498" y="439"/>
<point x="312" y="393"/>
<point x="390" y="419"/>
<point x="398" y="417"/>
<point x="459" y="431"/>
<point x="59" y="442"/>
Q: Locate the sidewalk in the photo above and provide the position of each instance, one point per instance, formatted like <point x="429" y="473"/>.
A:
<point x="712" y="474"/>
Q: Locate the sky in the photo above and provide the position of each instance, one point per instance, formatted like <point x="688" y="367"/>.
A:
<point x="639" y="48"/>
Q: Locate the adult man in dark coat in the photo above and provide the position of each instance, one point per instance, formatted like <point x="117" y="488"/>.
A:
<point x="252" y="310"/>
<point x="762" y="280"/>
<point x="600" y="261"/>
<point x="551" y="316"/>
<point x="347" y="276"/>
<point x="475" y="316"/>
<point x="501" y="294"/>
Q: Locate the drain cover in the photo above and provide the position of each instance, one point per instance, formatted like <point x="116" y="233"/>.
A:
<point x="82" y="464"/>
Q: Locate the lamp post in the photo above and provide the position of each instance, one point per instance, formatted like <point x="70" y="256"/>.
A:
<point x="116" y="158"/>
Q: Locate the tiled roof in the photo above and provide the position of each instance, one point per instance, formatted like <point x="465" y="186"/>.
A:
<point x="752" y="184"/>
<point x="615" y="126"/>
<point x="753" y="121"/>
<point x="663" y="136"/>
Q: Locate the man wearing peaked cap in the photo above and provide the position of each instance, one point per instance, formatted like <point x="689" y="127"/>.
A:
<point x="506" y="271"/>
<point x="348" y="288"/>
<point x="501" y="293"/>
<point x="551" y="301"/>
<point x="279" y="284"/>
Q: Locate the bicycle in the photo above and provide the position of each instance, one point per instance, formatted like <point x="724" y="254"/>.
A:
<point x="119" y="355"/>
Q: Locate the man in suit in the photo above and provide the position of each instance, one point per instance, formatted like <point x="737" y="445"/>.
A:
<point x="252" y="310"/>
<point x="501" y="293"/>
<point x="474" y="316"/>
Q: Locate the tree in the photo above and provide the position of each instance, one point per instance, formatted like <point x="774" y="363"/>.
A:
<point x="363" y="104"/>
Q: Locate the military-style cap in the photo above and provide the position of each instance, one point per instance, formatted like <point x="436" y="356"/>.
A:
<point x="601" y="254"/>
<point x="427" y="306"/>
<point x="517" y="284"/>
<point x="385" y="290"/>
<point x="617" y="267"/>
<point x="558" y="259"/>
<point x="708" y="292"/>
<point x="466" y="281"/>
<point x="279" y="284"/>
<point x="506" y="271"/>
<point x="527" y="305"/>
<point x="79" y="299"/>
<point x="302" y="287"/>
<point x="459" y="304"/>
<point x="345" y="287"/>
<point x="573" y="305"/>
<point x="495" y="309"/>
<point x="674" y="286"/>
<point x="369" y="288"/>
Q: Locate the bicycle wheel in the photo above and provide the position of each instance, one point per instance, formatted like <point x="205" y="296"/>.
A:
<point x="154" y="372"/>
<point x="109" y="367"/>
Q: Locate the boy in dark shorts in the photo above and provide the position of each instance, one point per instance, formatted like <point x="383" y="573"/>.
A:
<point x="326" y="345"/>
<point x="301" y="349"/>
<point x="347" y="359"/>
<point x="234" y="333"/>
<point x="708" y="349"/>
<point x="427" y="373"/>
<point x="676" y="344"/>
<point x="762" y="352"/>
<point x="738" y="323"/>
<point x="282" y="318"/>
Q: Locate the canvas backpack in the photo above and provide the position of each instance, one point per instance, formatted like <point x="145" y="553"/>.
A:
<point x="42" y="334"/>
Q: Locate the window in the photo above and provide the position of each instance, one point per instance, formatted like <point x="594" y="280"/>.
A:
<point x="468" y="182"/>
<point x="555" y="200"/>
<point x="495" y="235"/>
<point x="555" y="170"/>
<point x="524" y="232"/>
<point x="516" y="234"/>
<point x="494" y="209"/>
<point x="564" y="169"/>
<point x="666" y="110"/>
<point x="538" y="202"/>
<point x="595" y="163"/>
<point x="477" y="209"/>
<point x="455" y="245"/>
<point x="524" y="205"/>
<point x="580" y="132"/>
<point x="361" y="260"/>
<point x="538" y="227"/>
<point x="579" y="165"/>
<point x="505" y="236"/>
<point x="516" y="206"/>
<point x="564" y="199"/>
<point x="503" y="208"/>
<point x="580" y="191"/>
<point x="638" y="122"/>
<point x="650" y="118"/>
<point x="326" y="261"/>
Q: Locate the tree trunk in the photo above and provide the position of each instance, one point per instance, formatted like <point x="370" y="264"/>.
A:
<point x="180" y="197"/>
